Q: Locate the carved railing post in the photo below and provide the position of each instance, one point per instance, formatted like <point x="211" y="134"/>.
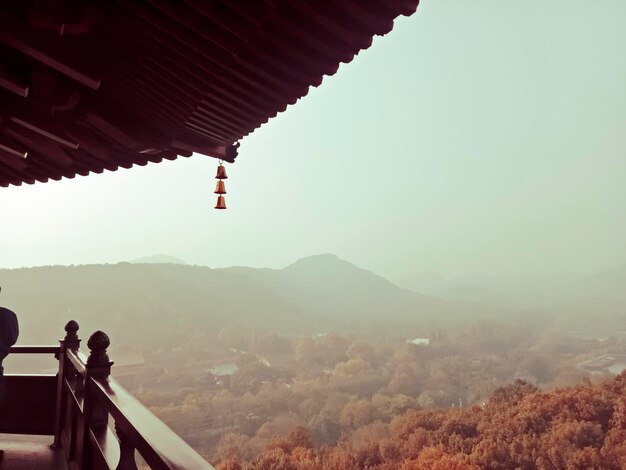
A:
<point x="70" y="342"/>
<point x="98" y="364"/>
<point x="96" y="416"/>
<point x="127" y="451"/>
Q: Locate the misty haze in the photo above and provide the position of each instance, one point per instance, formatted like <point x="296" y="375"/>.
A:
<point x="422" y="264"/>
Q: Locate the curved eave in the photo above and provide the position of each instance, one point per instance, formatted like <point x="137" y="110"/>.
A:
<point x="128" y="83"/>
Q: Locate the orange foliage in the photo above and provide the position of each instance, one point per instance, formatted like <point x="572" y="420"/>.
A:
<point x="580" y="427"/>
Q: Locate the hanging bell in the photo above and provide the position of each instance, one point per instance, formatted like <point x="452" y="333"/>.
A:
<point x="221" y="173"/>
<point x="221" y="203"/>
<point x="220" y="187"/>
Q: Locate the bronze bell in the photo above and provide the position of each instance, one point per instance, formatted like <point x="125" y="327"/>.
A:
<point x="221" y="173"/>
<point x="221" y="203"/>
<point x="220" y="187"/>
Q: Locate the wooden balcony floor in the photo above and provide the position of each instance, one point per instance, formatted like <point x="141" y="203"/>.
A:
<point x="29" y="453"/>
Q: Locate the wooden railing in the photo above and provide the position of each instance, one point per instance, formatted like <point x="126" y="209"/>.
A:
<point x="94" y="420"/>
<point x="28" y="404"/>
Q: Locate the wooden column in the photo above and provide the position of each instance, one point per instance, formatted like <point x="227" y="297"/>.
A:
<point x="127" y="451"/>
<point x="70" y="342"/>
<point x="94" y="412"/>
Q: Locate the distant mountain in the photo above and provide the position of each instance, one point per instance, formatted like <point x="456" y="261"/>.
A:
<point x="136" y="303"/>
<point x="469" y="292"/>
<point x="603" y="291"/>
<point x="160" y="304"/>
<point x="328" y="285"/>
<point x="606" y="289"/>
<point x="610" y="283"/>
<point x="511" y="287"/>
<point x="428" y="283"/>
<point x="157" y="259"/>
<point x="460" y="288"/>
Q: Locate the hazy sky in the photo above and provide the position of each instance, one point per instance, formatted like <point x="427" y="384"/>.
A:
<point x="480" y="136"/>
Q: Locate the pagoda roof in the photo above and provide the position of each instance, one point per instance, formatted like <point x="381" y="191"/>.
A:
<point x="87" y="86"/>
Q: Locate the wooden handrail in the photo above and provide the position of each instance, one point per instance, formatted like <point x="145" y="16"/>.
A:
<point x="100" y="425"/>
<point x="78" y="360"/>
<point x="160" y="447"/>
<point x="35" y="349"/>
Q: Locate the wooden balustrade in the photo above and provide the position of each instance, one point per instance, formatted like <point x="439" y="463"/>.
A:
<point x="97" y="423"/>
<point x="28" y="404"/>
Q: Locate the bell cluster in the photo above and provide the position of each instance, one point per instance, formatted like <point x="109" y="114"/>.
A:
<point x="220" y="187"/>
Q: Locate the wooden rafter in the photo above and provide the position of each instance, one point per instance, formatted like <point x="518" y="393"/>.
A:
<point x="111" y="84"/>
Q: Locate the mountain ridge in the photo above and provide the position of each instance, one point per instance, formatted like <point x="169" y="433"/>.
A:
<point x="604" y="287"/>
<point x="322" y="291"/>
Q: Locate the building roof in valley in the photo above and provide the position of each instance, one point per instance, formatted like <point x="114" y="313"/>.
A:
<point x="220" y="370"/>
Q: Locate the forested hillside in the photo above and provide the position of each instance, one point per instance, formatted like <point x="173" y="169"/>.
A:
<point x="323" y="365"/>
<point x="340" y="391"/>
<point x="135" y="302"/>
<point x="581" y="427"/>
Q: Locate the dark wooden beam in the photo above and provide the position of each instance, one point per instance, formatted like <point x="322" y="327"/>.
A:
<point x="91" y="145"/>
<point x="200" y="130"/>
<point x="124" y="127"/>
<point x="192" y="143"/>
<point x="14" y="86"/>
<point x="49" y="150"/>
<point x="37" y="53"/>
<point x="82" y="25"/>
<point x="38" y="167"/>
<point x="14" y="152"/>
<point x="10" y="160"/>
<point x="44" y="132"/>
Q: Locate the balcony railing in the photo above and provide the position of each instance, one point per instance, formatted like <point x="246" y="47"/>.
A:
<point x="93" y="420"/>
